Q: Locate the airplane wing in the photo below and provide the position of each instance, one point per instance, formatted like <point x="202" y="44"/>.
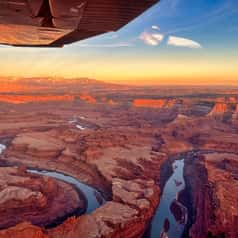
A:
<point x="54" y="23"/>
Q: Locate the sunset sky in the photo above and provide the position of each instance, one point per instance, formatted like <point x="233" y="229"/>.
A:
<point x="174" y="42"/>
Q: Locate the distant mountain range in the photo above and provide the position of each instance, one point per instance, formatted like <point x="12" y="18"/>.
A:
<point x="75" y="86"/>
<point x="53" y="85"/>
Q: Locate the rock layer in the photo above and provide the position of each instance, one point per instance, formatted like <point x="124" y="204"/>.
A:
<point x="214" y="192"/>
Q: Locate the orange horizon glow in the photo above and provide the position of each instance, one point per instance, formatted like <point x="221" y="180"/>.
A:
<point x="186" y="81"/>
<point x="130" y="70"/>
<point x="144" y="78"/>
<point x="137" y="81"/>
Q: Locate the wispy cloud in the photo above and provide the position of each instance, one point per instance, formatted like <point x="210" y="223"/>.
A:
<point x="155" y="27"/>
<point x="183" y="42"/>
<point x="154" y="39"/>
<point x="227" y="7"/>
<point x="112" y="36"/>
<point x="151" y="38"/>
<point x="109" y="45"/>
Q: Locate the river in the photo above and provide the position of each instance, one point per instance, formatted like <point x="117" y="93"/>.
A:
<point x="164" y="223"/>
<point x="170" y="217"/>
<point x="93" y="197"/>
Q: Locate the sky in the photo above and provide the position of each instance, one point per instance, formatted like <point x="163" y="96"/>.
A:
<point x="174" y="42"/>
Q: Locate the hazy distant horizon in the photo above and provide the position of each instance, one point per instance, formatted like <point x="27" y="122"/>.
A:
<point x="136" y="82"/>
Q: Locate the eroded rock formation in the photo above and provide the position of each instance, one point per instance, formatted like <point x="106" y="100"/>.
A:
<point x="124" y="151"/>
<point x="32" y="198"/>
<point x="213" y="184"/>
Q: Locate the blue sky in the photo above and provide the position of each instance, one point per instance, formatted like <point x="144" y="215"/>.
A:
<point x="212" y="23"/>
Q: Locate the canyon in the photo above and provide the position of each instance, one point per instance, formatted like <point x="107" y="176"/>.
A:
<point x="123" y="143"/>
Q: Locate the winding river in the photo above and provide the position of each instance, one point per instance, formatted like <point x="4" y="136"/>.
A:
<point x="93" y="197"/>
<point x="170" y="217"/>
<point x="165" y="223"/>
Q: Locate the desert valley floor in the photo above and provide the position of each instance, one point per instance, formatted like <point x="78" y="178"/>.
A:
<point x="86" y="159"/>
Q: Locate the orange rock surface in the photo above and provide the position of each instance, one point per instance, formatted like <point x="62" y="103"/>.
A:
<point x="219" y="109"/>
<point x="153" y="103"/>
<point x="88" y="98"/>
<point x="26" y="99"/>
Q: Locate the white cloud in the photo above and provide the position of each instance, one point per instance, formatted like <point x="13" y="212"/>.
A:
<point x="154" y="27"/>
<point x="158" y="37"/>
<point x="183" y="42"/>
<point x="151" y="38"/>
